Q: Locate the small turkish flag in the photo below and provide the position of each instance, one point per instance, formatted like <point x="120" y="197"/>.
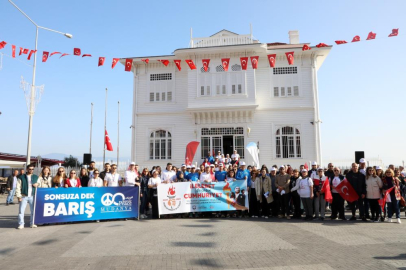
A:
<point x="225" y="62"/>
<point x="101" y="61"/>
<point x="371" y="35"/>
<point x="321" y="45"/>
<point x="109" y="146"/>
<point x="45" y="56"/>
<point x="338" y="42"/>
<point x="190" y="152"/>
<point x="382" y="201"/>
<point x="177" y="63"/>
<point x="254" y="62"/>
<point x="306" y="166"/>
<point x="347" y="191"/>
<point x="206" y="63"/>
<point x="13" y="51"/>
<point x="272" y="60"/>
<point x="290" y="57"/>
<point x="244" y="62"/>
<point x="327" y="191"/>
<point x="145" y="60"/>
<point x="55" y="53"/>
<point x="190" y="64"/>
<point x="65" y="54"/>
<point x="88" y="55"/>
<point x="21" y="51"/>
<point x="356" y="39"/>
<point x="165" y="62"/>
<point x="25" y="51"/>
<point x="31" y="52"/>
<point x="306" y="48"/>
<point x="394" y="33"/>
<point x="115" y="60"/>
<point x="2" y="44"/>
<point x="128" y="64"/>
<point x="76" y="51"/>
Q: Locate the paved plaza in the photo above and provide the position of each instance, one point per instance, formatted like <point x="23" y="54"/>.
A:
<point x="202" y="244"/>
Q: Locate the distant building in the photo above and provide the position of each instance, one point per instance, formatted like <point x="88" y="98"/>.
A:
<point x="225" y="110"/>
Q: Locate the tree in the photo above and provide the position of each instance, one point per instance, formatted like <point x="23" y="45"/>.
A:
<point x="71" y="162"/>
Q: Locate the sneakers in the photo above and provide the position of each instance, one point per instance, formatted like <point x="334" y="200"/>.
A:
<point x="266" y="216"/>
<point x="389" y="220"/>
<point x="398" y="221"/>
<point x="20" y="227"/>
<point x="33" y="226"/>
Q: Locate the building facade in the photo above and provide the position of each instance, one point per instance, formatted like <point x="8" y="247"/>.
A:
<point x="277" y="108"/>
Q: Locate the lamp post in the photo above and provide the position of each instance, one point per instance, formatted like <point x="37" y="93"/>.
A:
<point x="32" y="95"/>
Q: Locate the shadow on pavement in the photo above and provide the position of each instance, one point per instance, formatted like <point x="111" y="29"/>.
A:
<point x="194" y="244"/>
<point x="6" y="251"/>
<point x="44" y="242"/>
<point x="11" y="221"/>
<point x="210" y="263"/>
<point x="198" y="226"/>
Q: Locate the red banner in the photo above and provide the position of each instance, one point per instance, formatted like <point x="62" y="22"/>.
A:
<point x="31" y="52"/>
<point x="177" y="63"/>
<point x="306" y="48"/>
<point x="190" y="152"/>
<point x="76" y="51"/>
<point x="244" y="63"/>
<point x="347" y="191"/>
<point x="339" y="42"/>
<point x="101" y="61"/>
<point x="254" y="61"/>
<point x="371" y="35"/>
<point x="327" y="191"/>
<point x="225" y="62"/>
<point x="382" y="201"/>
<point x="109" y="146"/>
<point x="45" y="56"/>
<point x="394" y="33"/>
<point x="13" y="51"/>
<point x="272" y="60"/>
<point x="128" y="64"/>
<point x="290" y="57"/>
<point x="114" y="63"/>
<point x="165" y="62"/>
<point x="190" y="64"/>
<point x="356" y="39"/>
<point x="206" y="63"/>
<point x="146" y="60"/>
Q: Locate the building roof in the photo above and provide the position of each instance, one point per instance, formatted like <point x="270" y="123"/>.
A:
<point x="22" y="158"/>
<point x="224" y="30"/>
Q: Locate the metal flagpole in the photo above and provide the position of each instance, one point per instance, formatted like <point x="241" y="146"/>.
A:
<point x="118" y="135"/>
<point x="105" y="127"/>
<point x="91" y="127"/>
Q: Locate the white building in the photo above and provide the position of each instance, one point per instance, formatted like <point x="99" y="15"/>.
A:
<point x="224" y="110"/>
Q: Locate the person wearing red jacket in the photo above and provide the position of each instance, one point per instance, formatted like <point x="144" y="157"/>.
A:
<point x="73" y="180"/>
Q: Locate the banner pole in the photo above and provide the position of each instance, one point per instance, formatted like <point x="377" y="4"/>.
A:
<point x="105" y="126"/>
<point x="35" y="204"/>
<point x="139" y="201"/>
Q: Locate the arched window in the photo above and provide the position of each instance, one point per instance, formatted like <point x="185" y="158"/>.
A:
<point x="160" y="145"/>
<point x="288" y="142"/>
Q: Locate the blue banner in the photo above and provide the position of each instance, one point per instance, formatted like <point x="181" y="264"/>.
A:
<point x="56" y="205"/>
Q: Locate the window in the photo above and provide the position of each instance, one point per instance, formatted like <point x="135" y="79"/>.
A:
<point x="160" y="145"/>
<point x="202" y="70"/>
<point x="286" y="91"/>
<point x="276" y="91"/>
<point x="236" y="83"/>
<point x="288" y="142"/>
<point x="223" y="139"/>
<point x="220" y="68"/>
<point x="236" y="67"/>
<point x="205" y="83"/>
<point x="160" y="87"/>
<point x="284" y="70"/>
<point x="223" y="131"/>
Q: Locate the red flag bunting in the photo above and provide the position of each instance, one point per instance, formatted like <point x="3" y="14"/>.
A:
<point x="306" y="166"/>
<point x="109" y="146"/>
<point x="347" y="191"/>
<point x="55" y="53"/>
<point x="190" y="152"/>
<point x="356" y="39"/>
<point x="45" y="56"/>
<point x="321" y="45"/>
<point x="225" y="62"/>
<point x="165" y="62"/>
<point x="13" y="51"/>
<point x="371" y="35"/>
<point x="306" y="48"/>
<point x="25" y="51"/>
<point x="2" y="44"/>
<point x="76" y="51"/>
<point x="65" y="54"/>
<point x="113" y="64"/>
<point x="21" y="51"/>
<point x="177" y="63"/>
<point x="394" y="33"/>
<point x="290" y="57"/>
<point x="145" y="60"/>
<point x="206" y="63"/>
<point x="88" y="55"/>
<point x="339" y="42"/>
<point x="101" y="61"/>
<point x="31" y="52"/>
<point x="254" y="61"/>
<point x="382" y="201"/>
<point x="128" y="64"/>
<point x="244" y="62"/>
<point x="327" y="191"/>
<point x="272" y="60"/>
<point x="190" y="64"/>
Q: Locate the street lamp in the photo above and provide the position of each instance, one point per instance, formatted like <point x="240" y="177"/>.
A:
<point x="32" y="95"/>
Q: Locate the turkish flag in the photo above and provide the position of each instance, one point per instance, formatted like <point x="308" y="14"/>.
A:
<point x="347" y="191"/>
<point x="225" y="62"/>
<point x="145" y="60"/>
<point x="76" y="51"/>
<point x="190" y="152"/>
<point x="371" y="35"/>
<point x="290" y="57"/>
<point x="394" y="33"/>
<point x="306" y="48"/>
<point x="109" y="146"/>
<point x="272" y="60"/>
<point x="55" y="53"/>
<point x="45" y="56"/>
<point x="31" y="52"/>
<point x="206" y="63"/>
<point x="128" y="64"/>
<point x="382" y="201"/>
<point x="21" y="51"/>
<point x="13" y="51"/>
<point x="101" y="61"/>
<point x="89" y="55"/>
<point x="165" y="62"/>
<point x="177" y="63"/>
<point x="25" y="51"/>
<point x="244" y="62"/>
<point x="115" y="60"/>
<point x="190" y="64"/>
<point x="2" y="44"/>
<point x="65" y="54"/>
<point x="338" y="42"/>
<point x="327" y="191"/>
<point x="321" y="45"/>
<point x="254" y="62"/>
<point x="356" y="39"/>
<point x="306" y="166"/>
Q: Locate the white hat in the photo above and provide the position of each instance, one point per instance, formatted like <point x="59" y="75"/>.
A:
<point x="197" y="168"/>
<point x="193" y="166"/>
<point x="242" y="163"/>
<point x="280" y="167"/>
<point x="273" y="169"/>
<point x="320" y="169"/>
<point x="303" y="170"/>
<point x="314" y="163"/>
<point x="183" y="165"/>
<point x="188" y="167"/>
<point x="212" y="165"/>
<point x="378" y="168"/>
<point x="221" y="165"/>
<point x="362" y="160"/>
<point x="206" y="166"/>
<point x="132" y="163"/>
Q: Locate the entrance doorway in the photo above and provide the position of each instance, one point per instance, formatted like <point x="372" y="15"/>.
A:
<point x="225" y="140"/>
<point x="228" y="145"/>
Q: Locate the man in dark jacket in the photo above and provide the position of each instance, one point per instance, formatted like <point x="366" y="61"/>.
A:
<point x="357" y="181"/>
<point x="11" y="187"/>
<point x="25" y="192"/>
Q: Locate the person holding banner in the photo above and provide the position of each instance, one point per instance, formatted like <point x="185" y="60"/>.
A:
<point x="144" y="192"/>
<point x="263" y="189"/>
<point x="374" y="185"/>
<point x="84" y="178"/>
<point x="193" y="176"/>
<point x="393" y="199"/>
<point x="73" y="181"/>
<point x="337" y="207"/>
<point x="96" y="181"/>
<point x="153" y="183"/>
<point x="45" y="179"/>
<point x="59" y="179"/>
<point x="168" y="176"/>
<point x="131" y="177"/>
<point x="205" y="177"/>
<point x="113" y="179"/>
<point x="25" y="193"/>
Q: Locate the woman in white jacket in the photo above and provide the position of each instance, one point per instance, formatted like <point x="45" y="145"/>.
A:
<point x="374" y="184"/>
<point x="96" y="181"/>
<point x="304" y="187"/>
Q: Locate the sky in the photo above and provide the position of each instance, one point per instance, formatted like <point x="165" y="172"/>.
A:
<point x="361" y="85"/>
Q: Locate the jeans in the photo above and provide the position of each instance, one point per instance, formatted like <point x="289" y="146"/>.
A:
<point x="10" y="196"/>
<point x="23" y="205"/>
<point x="393" y="207"/>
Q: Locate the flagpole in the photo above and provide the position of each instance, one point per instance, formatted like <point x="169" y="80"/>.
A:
<point x="118" y="135"/>
<point x="105" y="127"/>
<point x="91" y="127"/>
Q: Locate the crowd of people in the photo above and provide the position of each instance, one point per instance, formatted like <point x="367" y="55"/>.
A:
<point x="278" y="191"/>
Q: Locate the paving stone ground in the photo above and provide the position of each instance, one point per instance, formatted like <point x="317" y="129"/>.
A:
<point x="202" y="244"/>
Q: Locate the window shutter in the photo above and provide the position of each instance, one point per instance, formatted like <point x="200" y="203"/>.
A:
<point x="151" y="97"/>
<point x="157" y="96"/>
<point x="296" y="91"/>
<point x="276" y="91"/>
<point x="169" y="97"/>
<point x="163" y="96"/>
<point x="282" y="91"/>
<point x="289" y="91"/>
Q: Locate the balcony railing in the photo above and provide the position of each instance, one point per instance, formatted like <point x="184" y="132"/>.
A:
<point x="220" y="41"/>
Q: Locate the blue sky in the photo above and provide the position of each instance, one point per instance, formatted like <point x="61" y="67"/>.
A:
<point x="361" y="86"/>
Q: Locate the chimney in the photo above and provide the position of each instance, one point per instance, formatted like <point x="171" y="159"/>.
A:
<point x="294" y="37"/>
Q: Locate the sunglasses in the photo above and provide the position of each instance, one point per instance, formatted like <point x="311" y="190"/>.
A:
<point x="72" y="173"/>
